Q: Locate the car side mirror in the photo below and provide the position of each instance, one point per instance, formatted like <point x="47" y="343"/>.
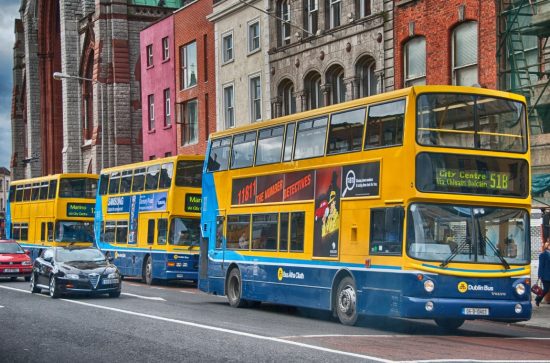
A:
<point x="27" y="252"/>
<point x="110" y="258"/>
<point x="48" y="259"/>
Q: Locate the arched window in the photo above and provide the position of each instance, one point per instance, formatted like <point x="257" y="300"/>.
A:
<point x="464" y="43"/>
<point x="313" y="88"/>
<point x="88" y="98"/>
<point x="415" y="61"/>
<point x="335" y="76"/>
<point x="284" y="23"/>
<point x="288" y="100"/>
<point x="364" y="69"/>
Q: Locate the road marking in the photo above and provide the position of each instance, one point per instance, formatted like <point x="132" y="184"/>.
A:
<point x="144" y="297"/>
<point x="344" y="336"/>
<point x="188" y="292"/>
<point x="1" y="306"/>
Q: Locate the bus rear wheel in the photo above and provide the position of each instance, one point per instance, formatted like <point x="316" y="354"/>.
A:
<point x="234" y="289"/>
<point x="449" y="324"/>
<point x="346" y="301"/>
<point x="148" y="271"/>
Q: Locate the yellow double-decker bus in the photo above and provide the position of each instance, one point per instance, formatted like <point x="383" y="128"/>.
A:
<point x="148" y="217"/>
<point x="53" y="210"/>
<point x="413" y="203"/>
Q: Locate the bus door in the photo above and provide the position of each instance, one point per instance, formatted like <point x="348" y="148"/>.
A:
<point x="218" y="253"/>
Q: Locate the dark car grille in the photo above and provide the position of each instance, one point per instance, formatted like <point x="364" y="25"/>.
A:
<point x="94" y="280"/>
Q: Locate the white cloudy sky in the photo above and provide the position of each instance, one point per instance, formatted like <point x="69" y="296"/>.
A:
<point x="10" y="11"/>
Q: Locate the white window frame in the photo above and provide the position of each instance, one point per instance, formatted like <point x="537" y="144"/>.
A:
<point x="167" y="108"/>
<point x="230" y="50"/>
<point x="285" y="22"/>
<point x="255" y="100"/>
<point x="362" y="5"/>
<point x="252" y="39"/>
<point x="149" y="51"/>
<point x="165" y="49"/>
<point x="454" y="68"/>
<point x="185" y="65"/>
<point x="312" y="13"/>
<point x="151" y="111"/>
<point x="229" y="122"/>
<point x="186" y="123"/>
<point x="408" y="81"/>
<point x="333" y="4"/>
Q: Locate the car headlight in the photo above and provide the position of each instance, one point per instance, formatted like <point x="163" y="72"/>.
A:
<point x="71" y="276"/>
<point x="520" y="289"/>
<point x="429" y="285"/>
<point x="113" y="275"/>
<point x="26" y="263"/>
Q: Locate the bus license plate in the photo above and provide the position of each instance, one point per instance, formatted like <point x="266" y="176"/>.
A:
<point x="476" y="311"/>
<point x="11" y="270"/>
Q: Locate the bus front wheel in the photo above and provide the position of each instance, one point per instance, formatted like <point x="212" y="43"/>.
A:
<point x="449" y="324"/>
<point x="234" y="289"/>
<point x="346" y="301"/>
<point x="148" y="272"/>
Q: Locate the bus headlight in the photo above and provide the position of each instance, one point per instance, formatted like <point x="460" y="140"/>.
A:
<point x="520" y="289"/>
<point x="429" y="285"/>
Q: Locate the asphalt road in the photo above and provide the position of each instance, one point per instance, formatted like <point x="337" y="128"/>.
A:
<point x="177" y="323"/>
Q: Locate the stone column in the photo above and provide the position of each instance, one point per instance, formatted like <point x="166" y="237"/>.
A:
<point x="301" y="100"/>
<point x="326" y="91"/>
<point x="379" y="74"/>
<point x="352" y="88"/>
<point x="277" y="106"/>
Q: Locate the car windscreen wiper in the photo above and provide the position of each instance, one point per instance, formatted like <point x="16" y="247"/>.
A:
<point x="497" y="252"/>
<point x="456" y="252"/>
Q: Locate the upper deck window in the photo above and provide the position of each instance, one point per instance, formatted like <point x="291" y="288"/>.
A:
<point x="103" y="184"/>
<point x="242" y="154"/>
<point x="310" y="138"/>
<point x="114" y="183"/>
<point x="270" y="144"/>
<point x="126" y="181"/>
<point x="472" y="122"/>
<point x="78" y="188"/>
<point x="189" y="173"/>
<point x="346" y="131"/>
<point x="44" y="191"/>
<point x="219" y="154"/>
<point x="385" y="124"/>
<point x="152" y="179"/>
<point x="166" y="173"/>
<point x="139" y="180"/>
<point x="53" y="189"/>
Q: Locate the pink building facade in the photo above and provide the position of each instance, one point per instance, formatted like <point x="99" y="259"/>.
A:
<point x="158" y="89"/>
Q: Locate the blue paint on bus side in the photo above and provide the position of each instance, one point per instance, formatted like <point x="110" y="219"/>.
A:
<point x="7" y="220"/>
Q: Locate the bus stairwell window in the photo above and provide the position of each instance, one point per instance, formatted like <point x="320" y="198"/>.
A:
<point x="385" y="124"/>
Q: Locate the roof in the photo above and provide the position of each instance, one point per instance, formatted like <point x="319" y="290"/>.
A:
<point x="4" y="171"/>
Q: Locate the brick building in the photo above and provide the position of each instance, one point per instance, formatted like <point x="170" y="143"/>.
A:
<point x="158" y="88"/>
<point x="75" y="125"/>
<point x="195" y="77"/>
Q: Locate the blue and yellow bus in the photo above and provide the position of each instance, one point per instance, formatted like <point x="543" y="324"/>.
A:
<point x="54" y="210"/>
<point x="148" y="215"/>
<point x="413" y="203"/>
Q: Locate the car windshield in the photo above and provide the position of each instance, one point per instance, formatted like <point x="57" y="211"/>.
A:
<point x="10" y="247"/>
<point x="74" y="231"/>
<point x="79" y="255"/>
<point x="184" y="232"/>
<point x="468" y="234"/>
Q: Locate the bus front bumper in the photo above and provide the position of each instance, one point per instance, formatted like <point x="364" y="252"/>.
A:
<point x="469" y="309"/>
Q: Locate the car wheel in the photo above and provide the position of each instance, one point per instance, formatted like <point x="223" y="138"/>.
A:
<point x="114" y="294"/>
<point x="148" y="273"/>
<point x="34" y="289"/>
<point x="234" y="289"/>
<point x="54" y="293"/>
<point x="346" y="301"/>
<point x="449" y="325"/>
<point x="27" y="278"/>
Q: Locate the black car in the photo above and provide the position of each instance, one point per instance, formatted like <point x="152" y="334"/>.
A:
<point x="75" y="270"/>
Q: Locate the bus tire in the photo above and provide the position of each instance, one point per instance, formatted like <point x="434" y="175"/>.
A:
<point x="449" y="324"/>
<point x="148" y="271"/>
<point x="234" y="289"/>
<point x="346" y="301"/>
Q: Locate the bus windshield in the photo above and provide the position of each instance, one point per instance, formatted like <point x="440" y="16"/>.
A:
<point x="184" y="232"/>
<point x="74" y="231"/>
<point x="468" y="234"/>
<point x="470" y="121"/>
<point x="78" y="188"/>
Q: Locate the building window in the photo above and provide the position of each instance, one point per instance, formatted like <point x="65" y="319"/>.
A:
<point x="227" y="48"/>
<point x="284" y="25"/>
<point x="415" y="61"/>
<point x="167" y="108"/>
<point x="364" y="8"/>
<point x="286" y="94"/>
<point x="367" y="79"/>
<point x="311" y="16"/>
<point x="255" y="98"/>
<point x="465" y="54"/>
<point x="190" y="122"/>
<point x="165" y="49"/>
<point x="254" y="37"/>
<point x="314" y="94"/>
<point x="228" y="107"/>
<point x="188" y="61"/>
<point x="334" y="13"/>
<point x="205" y="56"/>
<point x="88" y="98"/>
<point x="151" y="113"/>
<point x="149" y="55"/>
<point x="337" y="87"/>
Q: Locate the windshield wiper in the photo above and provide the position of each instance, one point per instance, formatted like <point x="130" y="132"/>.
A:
<point x="456" y="252"/>
<point x="497" y="252"/>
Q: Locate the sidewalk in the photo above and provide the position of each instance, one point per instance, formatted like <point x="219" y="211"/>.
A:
<point x="540" y="317"/>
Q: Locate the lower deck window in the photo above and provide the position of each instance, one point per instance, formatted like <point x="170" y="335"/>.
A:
<point x="386" y="231"/>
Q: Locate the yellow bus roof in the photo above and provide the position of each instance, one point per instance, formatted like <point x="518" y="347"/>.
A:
<point x="153" y="162"/>
<point x="54" y="177"/>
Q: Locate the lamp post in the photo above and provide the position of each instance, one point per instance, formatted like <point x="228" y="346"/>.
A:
<point x="59" y="76"/>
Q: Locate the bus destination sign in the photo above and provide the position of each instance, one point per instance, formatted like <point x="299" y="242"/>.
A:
<point x="193" y="203"/>
<point x="80" y="209"/>
<point x="472" y="179"/>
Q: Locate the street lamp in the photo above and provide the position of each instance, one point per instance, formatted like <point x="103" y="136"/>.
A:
<point x="59" y="76"/>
